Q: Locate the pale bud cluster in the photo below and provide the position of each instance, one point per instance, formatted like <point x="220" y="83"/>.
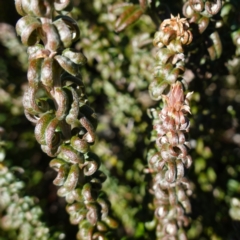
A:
<point x="170" y="186"/>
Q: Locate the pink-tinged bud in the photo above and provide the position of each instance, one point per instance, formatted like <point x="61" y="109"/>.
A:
<point x="176" y="96"/>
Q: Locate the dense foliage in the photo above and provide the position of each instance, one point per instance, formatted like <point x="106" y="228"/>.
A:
<point x="116" y="38"/>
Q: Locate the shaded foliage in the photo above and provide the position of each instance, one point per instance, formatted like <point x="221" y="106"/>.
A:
<point x="116" y="77"/>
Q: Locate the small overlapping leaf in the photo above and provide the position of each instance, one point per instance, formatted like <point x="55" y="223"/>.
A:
<point x="215" y="48"/>
<point x="130" y="15"/>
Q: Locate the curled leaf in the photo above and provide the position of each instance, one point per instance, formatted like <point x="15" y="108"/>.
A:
<point x="70" y="155"/>
<point x="213" y="8"/>
<point x="76" y="57"/>
<point x="62" y="175"/>
<point x="19" y="7"/>
<point x="50" y="37"/>
<point x="41" y="8"/>
<point x="49" y="71"/>
<point x="72" y="178"/>
<point x="37" y="51"/>
<point x="197" y="5"/>
<point x="67" y="65"/>
<point x="60" y="5"/>
<point x="72" y="117"/>
<point x="68" y="30"/>
<point x="56" y="163"/>
<point x="77" y="213"/>
<point x="90" y="168"/>
<point x="61" y="98"/>
<point x="29" y="101"/>
<point x="80" y="145"/>
<point x="90" y="135"/>
<point x="85" y="230"/>
<point x="52" y="138"/>
<point x="27" y="28"/>
<point x="41" y="126"/>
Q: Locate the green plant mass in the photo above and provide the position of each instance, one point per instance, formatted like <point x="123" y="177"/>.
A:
<point x="119" y="120"/>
